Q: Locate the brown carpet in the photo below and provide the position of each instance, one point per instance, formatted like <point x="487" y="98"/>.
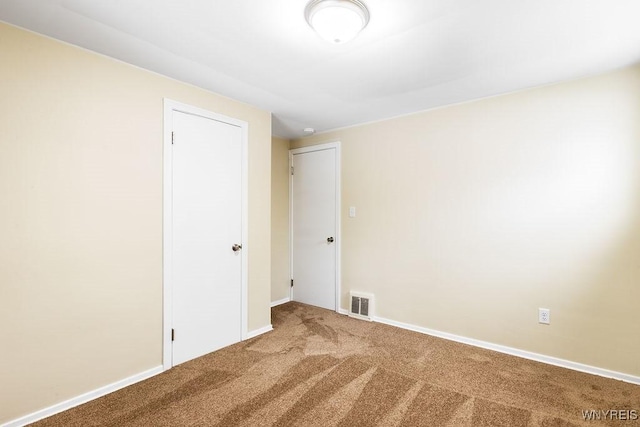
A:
<point x="319" y="368"/>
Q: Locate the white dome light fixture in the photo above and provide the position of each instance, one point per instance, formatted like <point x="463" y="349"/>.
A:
<point x="337" y="21"/>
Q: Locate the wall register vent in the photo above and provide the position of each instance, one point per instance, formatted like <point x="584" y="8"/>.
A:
<point x="361" y="306"/>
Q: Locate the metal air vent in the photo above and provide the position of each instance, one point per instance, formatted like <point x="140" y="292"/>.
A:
<point x="361" y="306"/>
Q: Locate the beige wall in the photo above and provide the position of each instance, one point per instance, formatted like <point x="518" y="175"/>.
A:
<point x="280" y="271"/>
<point x="471" y="217"/>
<point x="81" y="218"/>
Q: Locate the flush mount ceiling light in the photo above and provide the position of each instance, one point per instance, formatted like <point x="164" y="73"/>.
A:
<point x="337" y="21"/>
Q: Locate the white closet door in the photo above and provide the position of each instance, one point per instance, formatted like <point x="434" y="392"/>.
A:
<point x="207" y="223"/>
<point x="314" y="240"/>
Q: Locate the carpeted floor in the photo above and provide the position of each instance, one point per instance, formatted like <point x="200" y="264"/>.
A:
<point x="319" y="368"/>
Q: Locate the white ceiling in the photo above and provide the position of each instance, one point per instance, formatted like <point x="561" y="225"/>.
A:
<point x="413" y="55"/>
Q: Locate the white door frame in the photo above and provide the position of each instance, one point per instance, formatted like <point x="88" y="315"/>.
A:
<point x="167" y="217"/>
<point x="324" y="146"/>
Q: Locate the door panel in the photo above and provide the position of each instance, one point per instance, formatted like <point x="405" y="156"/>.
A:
<point x="313" y="222"/>
<point x="207" y="221"/>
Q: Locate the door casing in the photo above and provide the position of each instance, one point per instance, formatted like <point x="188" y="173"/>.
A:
<point x="167" y="239"/>
<point x="324" y="146"/>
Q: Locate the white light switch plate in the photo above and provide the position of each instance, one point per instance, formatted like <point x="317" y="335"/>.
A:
<point x="352" y="212"/>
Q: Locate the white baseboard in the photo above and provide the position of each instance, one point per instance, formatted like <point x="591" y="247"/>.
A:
<point x="102" y="391"/>
<point x="83" y="398"/>
<point x="259" y="331"/>
<point x="280" y="301"/>
<point x="509" y="350"/>
<point x="512" y="351"/>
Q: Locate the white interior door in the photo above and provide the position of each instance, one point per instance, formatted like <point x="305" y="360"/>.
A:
<point x="206" y="223"/>
<point x="314" y="226"/>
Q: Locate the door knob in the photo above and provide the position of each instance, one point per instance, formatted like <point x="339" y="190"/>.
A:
<point x="236" y="247"/>
<point x="330" y="239"/>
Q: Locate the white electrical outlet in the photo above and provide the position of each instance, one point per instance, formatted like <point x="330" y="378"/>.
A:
<point x="544" y="316"/>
